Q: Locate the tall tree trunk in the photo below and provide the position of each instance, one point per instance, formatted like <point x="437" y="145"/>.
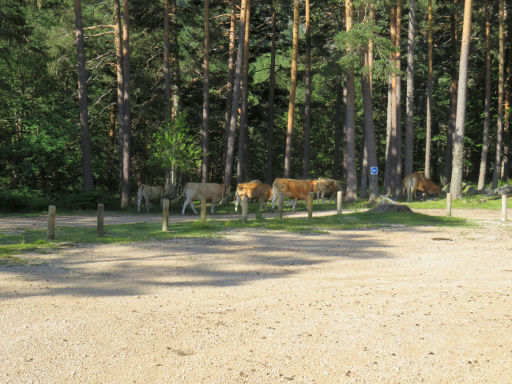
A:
<point x="125" y="182"/>
<point x="350" y="139"/>
<point x="167" y="73"/>
<point x="458" y="147"/>
<point x="387" y="167"/>
<point x="369" y="151"/>
<point x="243" y="137"/>
<point x="293" y="88"/>
<point x="307" y="101"/>
<point x="120" y="95"/>
<point x="450" y="132"/>
<point x="487" y="102"/>
<point x="270" y="107"/>
<point x="409" y="131"/>
<point x="231" y="73"/>
<point x="88" y="184"/>
<point x="338" y="129"/>
<point x="228" y="170"/>
<point x="501" y="82"/>
<point x="506" y="123"/>
<point x="174" y="62"/>
<point x="428" y="134"/>
<point x="398" y="102"/>
<point x="394" y="152"/>
<point x="206" y="89"/>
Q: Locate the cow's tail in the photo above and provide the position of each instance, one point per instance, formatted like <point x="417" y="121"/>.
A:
<point x="275" y="194"/>
<point x="182" y="194"/>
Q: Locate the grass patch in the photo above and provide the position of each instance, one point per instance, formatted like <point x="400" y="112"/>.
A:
<point x="467" y="202"/>
<point x="12" y="245"/>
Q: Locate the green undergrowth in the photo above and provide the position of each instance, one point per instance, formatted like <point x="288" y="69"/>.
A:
<point x="26" y="247"/>
<point x="466" y="202"/>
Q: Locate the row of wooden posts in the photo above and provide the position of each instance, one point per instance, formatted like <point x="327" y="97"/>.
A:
<point x="245" y="212"/>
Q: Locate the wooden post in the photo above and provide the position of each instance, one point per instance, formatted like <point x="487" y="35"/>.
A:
<point x="203" y="210"/>
<point x="165" y="215"/>
<point x="280" y="205"/>
<point x="504" y="207"/>
<point x="449" y="204"/>
<point x="245" y="209"/>
<point x="51" y="221"/>
<point x="101" y="219"/>
<point x="310" y="205"/>
<point x="339" y="199"/>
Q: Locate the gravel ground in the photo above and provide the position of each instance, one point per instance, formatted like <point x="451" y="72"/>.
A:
<point x="392" y="305"/>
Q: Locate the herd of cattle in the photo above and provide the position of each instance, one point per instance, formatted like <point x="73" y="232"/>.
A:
<point x="288" y="188"/>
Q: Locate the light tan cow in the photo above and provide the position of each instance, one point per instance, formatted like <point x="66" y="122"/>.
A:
<point x="210" y="191"/>
<point x="148" y="193"/>
<point x="253" y="190"/>
<point x="327" y="187"/>
<point x="293" y="189"/>
<point x="410" y="184"/>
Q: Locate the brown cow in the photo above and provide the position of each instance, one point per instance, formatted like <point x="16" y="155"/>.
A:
<point x="253" y="190"/>
<point x="210" y="191"/>
<point x="410" y="184"/>
<point x="429" y="188"/>
<point x="293" y="189"/>
<point x="148" y="193"/>
<point x="327" y="187"/>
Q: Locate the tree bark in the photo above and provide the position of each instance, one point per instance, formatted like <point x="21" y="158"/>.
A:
<point x="501" y="82"/>
<point x="270" y="107"/>
<point x="350" y="149"/>
<point x="450" y="132"/>
<point x="338" y="129"/>
<point x="506" y="119"/>
<point x="428" y="134"/>
<point x="167" y="73"/>
<point x="243" y="137"/>
<point x="206" y="89"/>
<point x="231" y="72"/>
<point x="125" y="182"/>
<point x="293" y="88"/>
<point x="174" y="62"/>
<point x="458" y="148"/>
<point x="369" y="150"/>
<point x="88" y="184"/>
<point x="487" y="102"/>
<point x="228" y="170"/>
<point x="409" y="131"/>
<point x="307" y="101"/>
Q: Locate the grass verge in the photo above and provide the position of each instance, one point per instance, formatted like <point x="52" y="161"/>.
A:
<point x="22" y="247"/>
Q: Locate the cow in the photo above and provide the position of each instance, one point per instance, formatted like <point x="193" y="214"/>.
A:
<point x="196" y="191"/>
<point x="293" y="189"/>
<point x="429" y="188"/>
<point x="148" y="193"/>
<point x="410" y="184"/>
<point x="327" y="187"/>
<point x="253" y="190"/>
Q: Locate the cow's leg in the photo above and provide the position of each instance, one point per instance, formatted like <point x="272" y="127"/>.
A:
<point x="184" y="206"/>
<point x="213" y="204"/>
<point x="138" y="203"/>
<point x="294" y="204"/>
<point x="192" y="206"/>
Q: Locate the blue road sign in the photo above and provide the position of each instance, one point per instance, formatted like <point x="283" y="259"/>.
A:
<point x="374" y="170"/>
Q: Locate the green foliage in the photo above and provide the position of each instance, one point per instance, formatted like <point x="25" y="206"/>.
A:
<point x="174" y="147"/>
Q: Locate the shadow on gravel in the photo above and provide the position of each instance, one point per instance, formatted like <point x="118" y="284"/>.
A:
<point x="137" y="268"/>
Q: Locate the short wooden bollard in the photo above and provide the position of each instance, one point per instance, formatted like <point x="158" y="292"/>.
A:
<point x="504" y="207"/>
<point x="339" y="199"/>
<point x="100" y="219"/>
<point x="203" y="210"/>
<point x="311" y="196"/>
<point x="165" y="215"/>
<point x="280" y="206"/>
<point x="449" y="204"/>
<point x="51" y="221"/>
<point x="245" y="209"/>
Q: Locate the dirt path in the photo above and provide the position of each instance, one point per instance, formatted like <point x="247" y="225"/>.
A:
<point x="393" y="305"/>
